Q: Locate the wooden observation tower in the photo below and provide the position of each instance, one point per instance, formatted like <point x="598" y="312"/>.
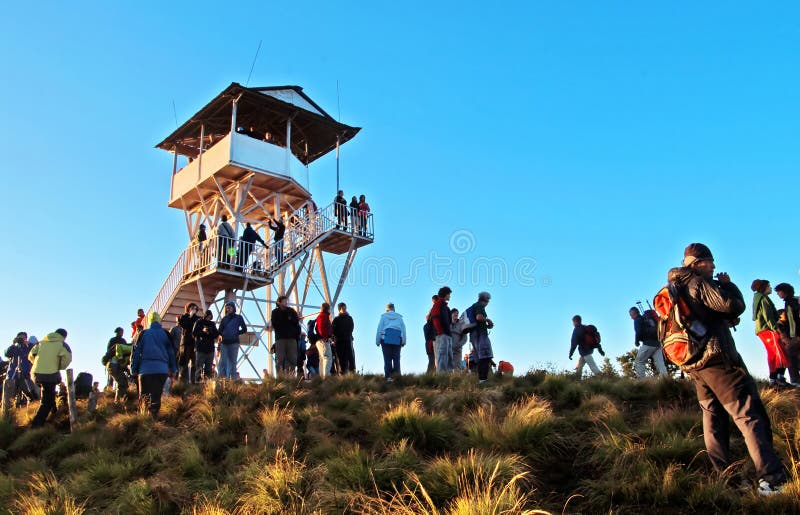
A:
<point x="247" y="153"/>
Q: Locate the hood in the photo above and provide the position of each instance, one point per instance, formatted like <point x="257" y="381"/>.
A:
<point x="153" y="318"/>
<point x="392" y="315"/>
<point x="33" y="340"/>
<point x="53" y="338"/>
<point x="680" y="275"/>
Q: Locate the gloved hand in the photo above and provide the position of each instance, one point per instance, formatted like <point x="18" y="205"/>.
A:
<point x="570" y="357"/>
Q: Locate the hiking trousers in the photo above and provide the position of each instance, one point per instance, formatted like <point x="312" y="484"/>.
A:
<point x="151" y="386"/>
<point x="645" y="352"/>
<point x="47" y="404"/>
<point x="726" y="391"/>
<point x="586" y="360"/>
<point x="443" y="349"/>
<point x="391" y="360"/>
<point x="325" y="358"/>
<point x="286" y="355"/>
<point x="118" y="373"/>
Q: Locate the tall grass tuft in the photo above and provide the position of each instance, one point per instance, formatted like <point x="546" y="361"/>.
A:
<point x="427" y="432"/>
<point x="484" y="493"/>
<point x="529" y="427"/>
<point x="282" y="485"/>
<point x="47" y="496"/>
<point x="276" y="426"/>
<point x="443" y="476"/>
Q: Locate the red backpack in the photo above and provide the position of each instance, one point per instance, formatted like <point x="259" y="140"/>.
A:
<point x="682" y="339"/>
<point x="591" y="336"/>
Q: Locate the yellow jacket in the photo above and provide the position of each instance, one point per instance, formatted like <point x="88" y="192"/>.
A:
<point x="49" y="356"/>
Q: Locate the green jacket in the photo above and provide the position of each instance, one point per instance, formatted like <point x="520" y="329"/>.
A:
<point x="49" y="356"/>
<point x="764" y="313"/>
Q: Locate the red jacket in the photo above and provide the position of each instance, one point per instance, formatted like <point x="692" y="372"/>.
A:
<point x="323" y="325"/>
<point x="440" y="316"/>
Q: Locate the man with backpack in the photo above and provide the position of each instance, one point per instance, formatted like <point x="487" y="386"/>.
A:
<point x="479" y="337"/>
<point x="586" y="339"/>
<point x="430" y="336"/>
<point x="645" y="328"/>
<point x="117" y="359"/>
<point x="49" y="356"/>
<point x="443" y="344"/>
<point x="724" y="387"/>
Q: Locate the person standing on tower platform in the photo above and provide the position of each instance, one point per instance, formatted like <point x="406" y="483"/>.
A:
<point x="279" y="230"/>
<point x="201" y="237"/>
<point x="225" y="239"/>
<point x="354" y="218"/>
<point x="340" y="209"/>
<point x="363" y="214"/>
<point x="246" y="244"/>
<point x="342" y="329"/>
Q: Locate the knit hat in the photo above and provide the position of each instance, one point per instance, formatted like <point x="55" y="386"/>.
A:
<point x="231" y="304"/>
<point x="62" y="332"/>
<point x="696" y="252"/>
<point x="153" y="317"/>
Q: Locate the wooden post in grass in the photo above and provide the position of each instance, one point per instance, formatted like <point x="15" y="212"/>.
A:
<point x="73" y="408"/>
<point x="8" y="395"/>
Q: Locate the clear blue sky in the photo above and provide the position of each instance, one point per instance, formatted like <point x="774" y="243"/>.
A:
<point x="584" y="143"/>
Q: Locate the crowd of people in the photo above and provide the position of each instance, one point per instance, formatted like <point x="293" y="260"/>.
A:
<point x="711" y="305"/>
<point x="708" y="306"/>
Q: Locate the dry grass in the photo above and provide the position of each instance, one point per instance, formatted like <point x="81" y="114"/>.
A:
<point x="426" y="444"/>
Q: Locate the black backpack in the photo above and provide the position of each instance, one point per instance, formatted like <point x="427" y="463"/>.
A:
<point x="83" y="385"/>
<point x="313" y="337"/>
<point x="429" y="330"/>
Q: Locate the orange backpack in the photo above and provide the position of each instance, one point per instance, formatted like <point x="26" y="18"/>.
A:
<point x="682" y="339"/>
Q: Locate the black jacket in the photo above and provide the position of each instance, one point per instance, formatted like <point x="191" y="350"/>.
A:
<point x="251" y="236"/>
<point x="279" y="229"/>
<point x="718" y="307"/>
<point x="578" y="341"/>
<point x="204" y="339"/>
<point x="342" y="327"/>
<point x="187" y="325"/>
<point x="285" y="323"/>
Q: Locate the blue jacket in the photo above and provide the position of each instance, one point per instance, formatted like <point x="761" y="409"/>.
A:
<point x="230" y="327"/>
<point x="154" y="353"/>
<point x="19" y="364"/>
<point x="391" y="321"/>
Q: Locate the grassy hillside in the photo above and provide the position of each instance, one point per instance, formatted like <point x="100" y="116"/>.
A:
<point x="436" y="444"/>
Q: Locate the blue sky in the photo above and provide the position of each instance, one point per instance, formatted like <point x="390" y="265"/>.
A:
<point x="584" y="143"/>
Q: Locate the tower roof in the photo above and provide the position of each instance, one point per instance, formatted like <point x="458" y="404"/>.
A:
<point x="268" y="109"/>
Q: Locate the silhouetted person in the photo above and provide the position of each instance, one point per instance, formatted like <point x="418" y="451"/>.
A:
<point x="354" y="218"/>
<point x="279" y="230"/>
<point x="225" y="239"/>
<point x="286" y="324"/>
<point x="340" y="210"/>
<point x="342" y="328"/>
<point x="363" y="215"/>
<point x="246" y="244"/>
